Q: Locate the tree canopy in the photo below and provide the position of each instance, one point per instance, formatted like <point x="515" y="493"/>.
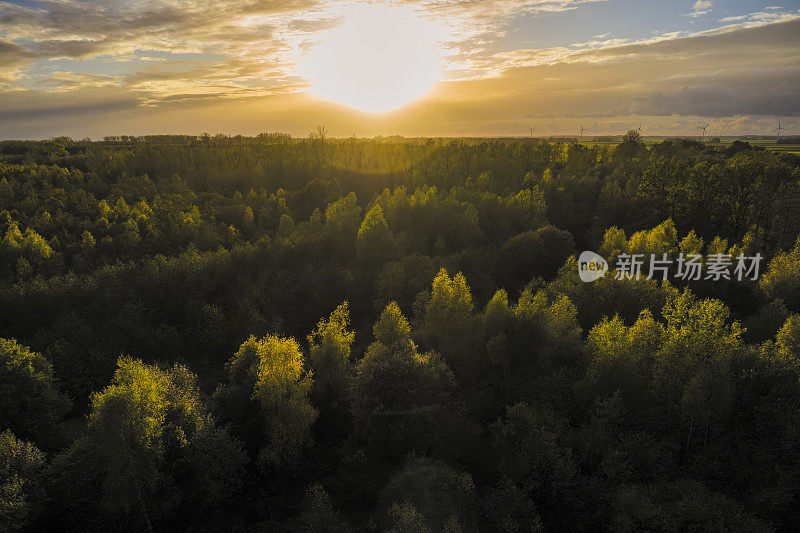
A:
<point x="206" y="333"/>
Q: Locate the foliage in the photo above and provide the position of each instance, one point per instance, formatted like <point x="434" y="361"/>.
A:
<point x="150" y="449"/>
<point x="30" y="403"/>
<point x="319" y="515"/>
<point x="400" y="396"/>
<point x="20" y="463"/>
<point x="782" y="278"/>
<point x="374" y="242"/>
<point x="329" y="347"/>
<point x="439" y="494"/>
<point x="266" y="398"/>
<point x="514" y="397"/>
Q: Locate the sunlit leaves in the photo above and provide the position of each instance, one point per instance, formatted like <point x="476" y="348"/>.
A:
<point x="267" y="395"/>
<point x="374" y="242"/>
<point x="20" y="463"/>
<point x="329" y="346"/>
<point x="399" y="394"/>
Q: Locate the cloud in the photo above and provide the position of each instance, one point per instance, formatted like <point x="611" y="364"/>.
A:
<point x="272" y="33"/>
<point x="49" y="106"/>
<point x="703" y="5"/>
<point x="255" y="30"/>
<point x="63" y="81"/>
<point x="746" y="71"/>
<point x="774" y="15"/>
<point x="700" y="8"/>
<point x="170" y="65"/>
<point x="12" y="58"/>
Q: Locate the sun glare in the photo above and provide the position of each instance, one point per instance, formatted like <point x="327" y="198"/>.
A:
<point x="380" y="58"/>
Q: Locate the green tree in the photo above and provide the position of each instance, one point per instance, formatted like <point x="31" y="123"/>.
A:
<point x="684" y="505"/>
<point x="403" y="280"/>
<point x="374" y="243"/>
<point x="319" y="515"/>
<point x="30" y="403"/>
<point x="533" y="253"/>
<point x="266" y="399"/>
<point x="782" y="278"/>
<point x="546" y="331"/>
<point x="20" y="464"/>
<point x="400" y="397"/>
<point x="691" y="244"/>
<point x="622" y="358"/>
<point x="614" y="243"/>
<point x="507" y="509"/>
<point x="449" y="323"/>
<point x="528" y="445"/>
<point x="662" y="239"/>
<point x="342" y="222"/>
<point x="788" y="338"/>
<point x="329" y="351"/>
<point x="440" y="494"/>
<point x="150" y="450"/>
<point x="404" y="518"/>
<point x="392" y="327"/>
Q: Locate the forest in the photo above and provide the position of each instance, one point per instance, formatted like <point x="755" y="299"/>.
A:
<point x="213" y="333"/>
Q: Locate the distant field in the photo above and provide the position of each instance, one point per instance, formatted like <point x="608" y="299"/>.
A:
<point x="768" y="144"/>
<point x="772" y="145"/>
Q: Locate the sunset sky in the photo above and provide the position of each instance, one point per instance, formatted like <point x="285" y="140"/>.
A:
<point x="418" y="67"/>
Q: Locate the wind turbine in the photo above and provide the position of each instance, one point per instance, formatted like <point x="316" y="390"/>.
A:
<point x="704" y="129"/>
<point x="531" y="132"/>
<point x="779" y="129"/>
<point x="582" y="130"/>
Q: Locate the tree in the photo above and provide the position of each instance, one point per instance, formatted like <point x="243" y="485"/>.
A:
<point x="392" y="327"/>
<point x="439" y="494"/>
<point x="684" y="505"/>
<point x="374" y="243"/>
<point x="150" y="450"/>
<point x="662" y="239"/>
<point x="546" y="331"/>
<point x="266" y="399"/>
<point x="404" y="518"/>
<point x="128" y="421"/>
<point x="30" y="403"/>
<point x="342" y="222"/>
<point x="507" y="509"/>
<point x="319" y="515"/>
<point x="788" y="338"/>
<point x="285" y="227"/>
<point x="691" y="244"/>
<point x="329" y="350"/>
<point x="782" y="278"/>
<point x="400" y="397"/>
<point x="614" y="243"/>
<point x="533" y="253"/>
<point x="449" y="324"/>
<point x="403" y="280"/>
<point x="495" y="367"/>
<point x="622" y="357"/>
<point x="630" y="147"/>
<point x="20" y="464"/>
<point x="527" y="444"/>
<point x="693" y="366"/>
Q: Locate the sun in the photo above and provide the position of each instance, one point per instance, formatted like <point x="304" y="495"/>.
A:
<point x="379" y="59"/>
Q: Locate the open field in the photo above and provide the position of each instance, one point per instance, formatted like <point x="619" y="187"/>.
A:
<point x="773" y="145"/>
<point x="767" y="144"/>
